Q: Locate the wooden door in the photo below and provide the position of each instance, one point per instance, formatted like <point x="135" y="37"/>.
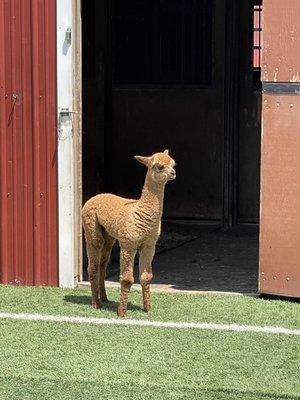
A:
<point x="279" y="271"/>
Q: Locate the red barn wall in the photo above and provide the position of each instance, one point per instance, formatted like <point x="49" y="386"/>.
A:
<point x="28" y="159"/>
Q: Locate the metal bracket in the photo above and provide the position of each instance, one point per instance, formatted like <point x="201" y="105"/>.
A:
<point x="68" y="36"/>
<point x="67" y="112"/>
<point x="281" y="88"/>
<point x="65" y="125"/>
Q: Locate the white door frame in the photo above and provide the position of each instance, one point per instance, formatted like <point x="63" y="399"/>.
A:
<point x="69" y="140"/>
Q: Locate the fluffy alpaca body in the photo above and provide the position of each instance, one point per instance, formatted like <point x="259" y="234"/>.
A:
<point x="134" y="223"/>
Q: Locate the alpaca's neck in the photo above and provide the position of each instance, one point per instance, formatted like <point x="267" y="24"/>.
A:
<point x="152" y="197"/>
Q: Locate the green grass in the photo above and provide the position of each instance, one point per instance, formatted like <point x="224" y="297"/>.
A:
<point x="45" y="360"/>
<point x="166" y="306"/>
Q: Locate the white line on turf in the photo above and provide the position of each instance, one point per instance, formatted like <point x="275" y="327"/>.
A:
<point x="154" y="324"/>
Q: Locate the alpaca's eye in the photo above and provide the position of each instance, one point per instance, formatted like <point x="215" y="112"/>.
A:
<point x="160" y="167"/>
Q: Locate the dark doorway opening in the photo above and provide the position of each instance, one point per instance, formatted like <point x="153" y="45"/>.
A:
<point x="179" y="75"/>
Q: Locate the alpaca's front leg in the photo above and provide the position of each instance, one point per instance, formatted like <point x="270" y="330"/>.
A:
<point x="126" y="278"/>
<point x="145" y="265"/>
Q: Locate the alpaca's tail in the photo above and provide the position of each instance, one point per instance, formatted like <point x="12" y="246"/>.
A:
<point x="91" y="226"/>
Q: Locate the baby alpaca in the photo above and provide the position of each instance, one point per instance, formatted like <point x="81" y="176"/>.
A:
<point x="134" y="223"/>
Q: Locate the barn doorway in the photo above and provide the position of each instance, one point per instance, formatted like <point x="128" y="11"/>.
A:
<point x="181" y="75"/>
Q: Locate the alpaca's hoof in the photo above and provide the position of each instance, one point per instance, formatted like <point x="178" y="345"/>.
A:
<point x="121" y="311"/>
<point x="96" y="304"/>
<point x="147" y="307"/>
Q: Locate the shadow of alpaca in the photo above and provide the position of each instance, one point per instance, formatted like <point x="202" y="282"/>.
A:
<point x="109" y="305"/>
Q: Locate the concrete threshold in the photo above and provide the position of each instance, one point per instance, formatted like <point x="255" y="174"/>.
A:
<point x="164" y="288"/>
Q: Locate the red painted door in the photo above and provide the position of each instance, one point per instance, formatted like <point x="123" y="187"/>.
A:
<point x="28" y="160"/>
<point x="280" y="176"/>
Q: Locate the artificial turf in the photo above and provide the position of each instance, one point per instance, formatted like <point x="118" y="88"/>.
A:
<point x="166" y="306"/>
<point x="46" y="360"/>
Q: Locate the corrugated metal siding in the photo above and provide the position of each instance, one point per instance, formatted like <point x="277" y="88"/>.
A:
<point x="29" y="226"/>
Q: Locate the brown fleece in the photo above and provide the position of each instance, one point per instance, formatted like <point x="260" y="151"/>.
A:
<point x="134" y="223"/>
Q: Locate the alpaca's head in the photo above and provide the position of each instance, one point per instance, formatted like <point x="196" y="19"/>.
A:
<point x="160" y="166"/>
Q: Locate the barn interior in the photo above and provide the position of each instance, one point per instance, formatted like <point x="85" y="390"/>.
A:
<point x="182" y="75"/>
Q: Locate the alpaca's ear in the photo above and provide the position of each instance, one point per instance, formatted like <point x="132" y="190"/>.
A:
<point x="144" y="160"/>
<point x="166" y="152"/>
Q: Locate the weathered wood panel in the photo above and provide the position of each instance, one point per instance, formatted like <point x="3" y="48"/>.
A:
<point x="280" y="196"/>
<point x="281" y="38"/>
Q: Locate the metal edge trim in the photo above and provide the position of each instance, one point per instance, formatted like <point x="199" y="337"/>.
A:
<point x="281" y="88"/>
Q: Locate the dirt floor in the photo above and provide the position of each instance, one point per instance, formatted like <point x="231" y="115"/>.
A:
<point x="202" y="257"/>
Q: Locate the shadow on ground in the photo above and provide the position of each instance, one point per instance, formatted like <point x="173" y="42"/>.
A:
<point x="109" y="305"/>
<point x="197" y="256"/>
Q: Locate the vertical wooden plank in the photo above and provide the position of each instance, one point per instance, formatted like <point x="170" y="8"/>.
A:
<point x="280" y="196"/>
<point x="279" y="271"/>
<point x="77" y="126"/>
<point x="67" y="145"/>
<point x="281" y="38"/>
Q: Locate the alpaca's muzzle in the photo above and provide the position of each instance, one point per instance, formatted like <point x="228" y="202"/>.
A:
<point x="172" y="175"/>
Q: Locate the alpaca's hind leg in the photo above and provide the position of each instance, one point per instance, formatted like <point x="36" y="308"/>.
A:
<point x="126" y="278"/>
<point x="94" y="245"/>
<point x="94" y="272"/>
<point x="105" y="256"/>
<point x="145" y="267"/>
